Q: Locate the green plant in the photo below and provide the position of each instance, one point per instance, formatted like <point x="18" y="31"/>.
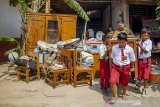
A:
<point x="158" y="9"/>
<point x="11" y="41"/>
<point x="75" y="6"/>
<point x="24" y="8"/>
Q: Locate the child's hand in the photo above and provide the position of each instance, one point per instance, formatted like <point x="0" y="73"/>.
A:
<point x="132" y="69"/>
<point x="138" y="43"/>
<point x="108" y="49"/>
<point x="129" y="73"/>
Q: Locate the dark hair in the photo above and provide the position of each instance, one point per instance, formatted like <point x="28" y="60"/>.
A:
<point x="105" y="37"/>
<point x="109" y="29"/>
<point x="120" y="21"/>
<point x="122" y="36"/>
<point x="145" y="30"/>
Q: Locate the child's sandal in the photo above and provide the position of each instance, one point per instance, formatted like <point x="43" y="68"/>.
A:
<point x="124" y="97"/>
<point x="112" y="101"/>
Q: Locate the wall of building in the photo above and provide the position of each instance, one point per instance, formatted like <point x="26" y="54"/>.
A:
<point x="106" y="17"/>
<point x="9" y="19"/>
<point x="120" y="7"/>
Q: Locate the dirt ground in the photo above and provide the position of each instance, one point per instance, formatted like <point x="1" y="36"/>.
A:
<point x="36" y="93"/>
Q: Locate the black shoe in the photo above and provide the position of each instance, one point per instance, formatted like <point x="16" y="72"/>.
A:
<point x="137" y="84"/>
<point x="106" y="92"/>
<point x="102" y="88"/>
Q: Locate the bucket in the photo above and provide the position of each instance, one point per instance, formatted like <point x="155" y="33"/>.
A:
<point x="154" y="75"/>
<point x="154" y="78"/>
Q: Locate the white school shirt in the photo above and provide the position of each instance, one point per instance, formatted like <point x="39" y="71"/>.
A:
<point x="117" y="53"/>
<point x="102" y="51"/>
<point x="147" y="45"/>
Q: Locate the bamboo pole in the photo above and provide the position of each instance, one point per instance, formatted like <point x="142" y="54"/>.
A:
<point x="47" y="9"/>
<point x="84" y="35"/>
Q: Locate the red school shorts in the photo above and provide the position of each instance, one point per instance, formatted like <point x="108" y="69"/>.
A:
<point x="144" y="68"/>
<point x="104" y="73"/>
<point x="120" y="75"/>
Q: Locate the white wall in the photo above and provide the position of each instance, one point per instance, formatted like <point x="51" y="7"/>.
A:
<point x="9" y="20"/>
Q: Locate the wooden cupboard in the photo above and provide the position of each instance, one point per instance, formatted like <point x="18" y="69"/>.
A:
<point x="131" y="42"/>
<point x="49" y="28"/>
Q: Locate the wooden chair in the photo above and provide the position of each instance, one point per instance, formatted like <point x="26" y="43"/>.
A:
<point x="81" y="74"/>
<point x="27" y="72"/>
<point x="56" y="77"/>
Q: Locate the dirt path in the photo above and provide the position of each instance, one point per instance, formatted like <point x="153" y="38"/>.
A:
<point x="39" y="94"/>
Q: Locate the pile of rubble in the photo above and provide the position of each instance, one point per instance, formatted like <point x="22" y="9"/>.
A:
<point x="8" y="71"/>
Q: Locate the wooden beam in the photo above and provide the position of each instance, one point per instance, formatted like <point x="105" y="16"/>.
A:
<point x="142" y="2"/>
<point x="95" y="1"/>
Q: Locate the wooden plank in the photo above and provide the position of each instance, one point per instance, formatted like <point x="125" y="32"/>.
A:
<point x="142" y="2"/>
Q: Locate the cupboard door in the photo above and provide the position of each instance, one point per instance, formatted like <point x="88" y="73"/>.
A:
<point x="133" y="44"/>
<point x="67" y="28"/>
<point x="52" y="31"/>
<point x="36" y="31"/>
